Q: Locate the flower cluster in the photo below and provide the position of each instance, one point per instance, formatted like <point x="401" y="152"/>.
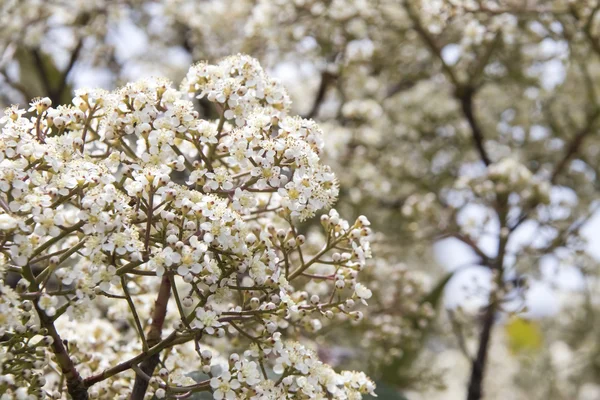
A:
<point x="508" y="177"/>
<point x="127" y="193"/>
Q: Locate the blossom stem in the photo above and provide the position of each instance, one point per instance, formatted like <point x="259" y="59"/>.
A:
<point x="313" y="260"/>
<point x="134" y="313"/>
<point x="56" y="239"/>
<point x="128" y="267"/>
<point x="188" y="164"/>
<point x="178" y="301"/>
<point x="127" y="149"/>
<point x="45" y="274"/>
<point x="149" y="220"/>
<point x="38" y="130"/>
<point x="86" y="128"/>
<point x="199" y="387"/>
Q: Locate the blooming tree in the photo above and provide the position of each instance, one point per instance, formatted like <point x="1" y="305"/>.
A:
<point x="125" y="198"/>
<point x="462" y="121"/>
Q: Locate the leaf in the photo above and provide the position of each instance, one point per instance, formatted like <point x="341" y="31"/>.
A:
<point x="386" y="392"/>
<point x="436" y="293"/>
<point x="399" y="373"/>
<point x="523" y="335"/>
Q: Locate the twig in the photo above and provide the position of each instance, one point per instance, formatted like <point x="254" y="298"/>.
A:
<point x="136" y="317"/>
<point x="126" y="365"/>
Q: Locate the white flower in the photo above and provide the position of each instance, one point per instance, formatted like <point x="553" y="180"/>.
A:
<point x="207" y="320"/>
<point x="224" y="387"/>
<point x="362" y="292"/>
<point x="48" y="304"/>
<point x="7" y="222"/>
<point x="248" y="372"/>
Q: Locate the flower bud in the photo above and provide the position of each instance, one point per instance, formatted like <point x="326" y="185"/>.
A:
<point x="187" y="301"/>
<point x="206" y="355"/>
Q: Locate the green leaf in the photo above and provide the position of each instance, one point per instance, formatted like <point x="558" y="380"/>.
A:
<point x="436" y="293"/>
<point x="524" y="336"/>
<point x="385" y="391"/>
<point x="400" y="372"/>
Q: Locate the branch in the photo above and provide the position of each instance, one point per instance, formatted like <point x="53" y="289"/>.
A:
<point x="16" y="85"/>
<point x="75" y="385"/>
<point x="63" y="79"/>
<point x="326" y="80"/>
<point x="399" y="87"/>
<point x="594" y="42"/>
<point x="465" y="96"/>
<point x="575" y="144"/>
<point x="125" y="365"/>
<point x="478" y="365"/>
<point x="484" y="60"/>
<point x="134" y="313"/>
<point x="43" y="74"/>
<point x="54" y="91"/>
<point x="430" y="42"/>
<point x="464" y="93"/>
<point x="460" y="337"/>
<point x="153" y="338"/>
<point x="484" y="258"/>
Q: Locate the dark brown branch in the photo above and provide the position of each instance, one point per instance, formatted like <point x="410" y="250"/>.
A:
<point x="479" y="66"/>
<point x="326" y="80"/>
<point x="153" y="338"/>
<point x="399" y="87"/>
<point x="594" y="42"/>
<point x="575" y="144"/>
<point x="430" y="42"/>
<point x="63" y="79"/>
<point x="75" y="385"/>
<point x="460" y="337"/>
<point x="16" y="85"/>
<point x="464" y="93"/>
<point x="55" y="91"/>
<point x="483" y="258"/>
<point x="475" y="391"/>
<point x="126" y="365"/>
<point x="478" y="366"/>
<point x="465" y="96"/>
